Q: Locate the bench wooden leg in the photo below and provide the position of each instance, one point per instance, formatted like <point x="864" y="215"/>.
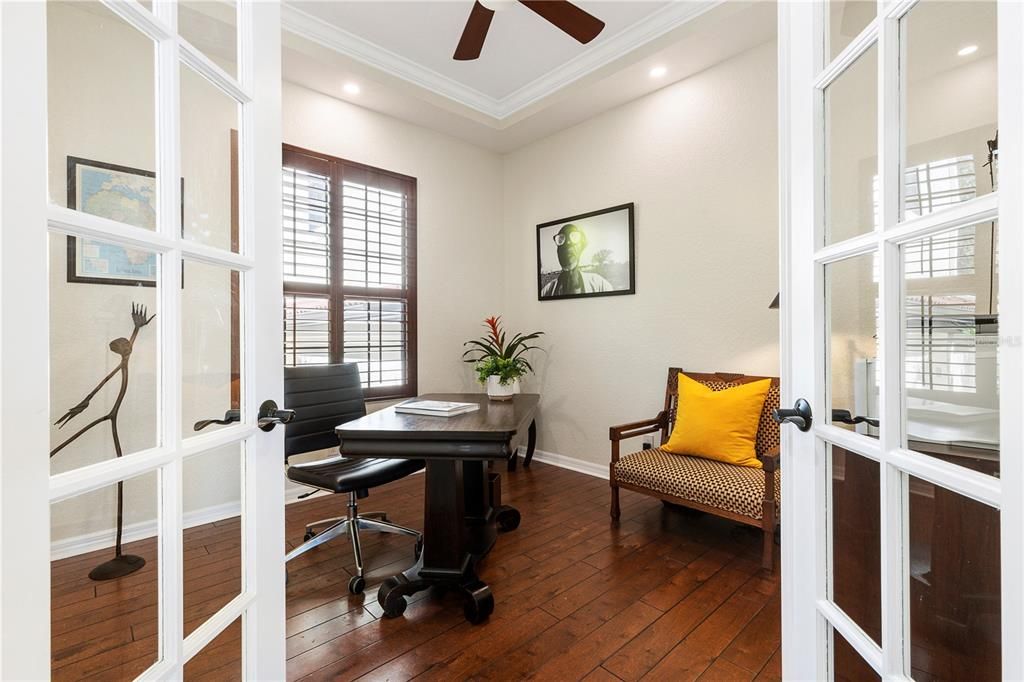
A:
<point x="615" y="503"/>
<point x="768" y="530"/>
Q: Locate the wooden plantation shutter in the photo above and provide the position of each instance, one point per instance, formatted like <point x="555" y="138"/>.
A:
<point x="350" y="269"/>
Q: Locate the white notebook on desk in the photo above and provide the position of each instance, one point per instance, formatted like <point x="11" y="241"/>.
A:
<point x="435" y="408"/>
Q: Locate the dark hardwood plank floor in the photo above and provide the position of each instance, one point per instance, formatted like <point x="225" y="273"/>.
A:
<point x="668" y="594"/>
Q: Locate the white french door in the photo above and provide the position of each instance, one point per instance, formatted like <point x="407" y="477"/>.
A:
<point x="140" y="156"/>
<point x="902" y="212"/>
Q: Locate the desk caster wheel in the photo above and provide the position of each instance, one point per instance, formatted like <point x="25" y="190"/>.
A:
<point x="479" y="602"/>
<point x="418" y="550"/>
<point x="356" y="585"/>
<point x="508" y="517"/>
<point x="310" y="534"/>
<point x="390" y="600"/>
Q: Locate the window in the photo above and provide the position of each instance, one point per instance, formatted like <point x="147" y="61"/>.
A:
<point x="349" y="269"/>
<point x="940" y="343"/>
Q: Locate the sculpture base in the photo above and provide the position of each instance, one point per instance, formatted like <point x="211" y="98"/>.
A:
<point x="117" y="567"/>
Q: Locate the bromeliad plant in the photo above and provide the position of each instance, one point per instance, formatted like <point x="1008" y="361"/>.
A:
<point x="494" y="357"/>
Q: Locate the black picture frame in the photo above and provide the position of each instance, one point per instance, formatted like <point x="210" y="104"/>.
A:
<point x="545" y="271"/>
<point x="73" y="276"/>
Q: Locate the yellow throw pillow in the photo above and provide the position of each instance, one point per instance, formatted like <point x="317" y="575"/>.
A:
<point x="718" y="425"/>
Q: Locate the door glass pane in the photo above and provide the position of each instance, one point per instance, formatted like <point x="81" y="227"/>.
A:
<point x="212" y="503"/>
<point x="104" y="602"/>
<point x="846" y="20"/>
<point x="211" y="329"/>
<point x="950" y="345"/>
<point x="847" y="664"/>
<point x="851" y="288"/>
<point x="855" y="552"/>
<point x="100" y="103"/>
<point x="209" y="162"/>
<point x="954" y="586"/>
<point x="950" y="80"/>
<point x="851" y="149"/>
<point x="212" y="27"/>
<point x="103" y="351"/>
<point x="221" y="659"/>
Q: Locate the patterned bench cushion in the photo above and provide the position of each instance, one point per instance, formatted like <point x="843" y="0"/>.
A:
<point x="716" y="484"/>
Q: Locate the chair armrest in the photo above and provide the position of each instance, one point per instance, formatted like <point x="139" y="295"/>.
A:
<point x="770" y="460"/>
<point x="633" y="429"/>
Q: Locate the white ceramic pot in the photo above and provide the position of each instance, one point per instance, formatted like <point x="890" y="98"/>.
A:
<point x="496" y="391"/>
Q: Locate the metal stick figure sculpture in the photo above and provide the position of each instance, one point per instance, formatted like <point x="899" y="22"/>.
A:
<point x="121" y="564"/>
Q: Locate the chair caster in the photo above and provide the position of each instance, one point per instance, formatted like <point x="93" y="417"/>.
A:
<point x="508" y="517"/>
<point x="390" y="600"/>
<point x="418" y="550"/>
<point x="479" y="602"/>
<point x="310" y="534"/>
<point x="356" y="584"/>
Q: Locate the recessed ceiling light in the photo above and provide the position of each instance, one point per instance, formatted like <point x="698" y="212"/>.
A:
<point x="969" y="49"/>
<point x="351" y="88"/>
<point x="658" y="71"/>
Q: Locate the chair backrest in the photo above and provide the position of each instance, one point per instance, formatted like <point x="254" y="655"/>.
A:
<point x="767" y="428"/>
<point x="322" y="396"/>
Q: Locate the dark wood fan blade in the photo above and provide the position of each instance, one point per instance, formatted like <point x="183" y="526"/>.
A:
<point x="568" y="17"/>
<point x="472" y="40"/>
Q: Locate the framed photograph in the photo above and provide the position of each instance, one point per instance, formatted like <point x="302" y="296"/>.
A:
<point x="586" y="255"/>
<point x="119" y="193"/>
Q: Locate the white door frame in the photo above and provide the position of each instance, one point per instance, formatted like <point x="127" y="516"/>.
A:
<point x="806" y="610"/>
<point x="26" y="487"/>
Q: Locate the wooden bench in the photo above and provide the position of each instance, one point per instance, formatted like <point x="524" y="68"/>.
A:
<point x="743" y="494"/>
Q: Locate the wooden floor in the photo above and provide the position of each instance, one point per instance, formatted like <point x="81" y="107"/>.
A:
<point x="669" y="595"/>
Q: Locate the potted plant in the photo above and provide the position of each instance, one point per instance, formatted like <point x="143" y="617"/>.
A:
<point x="499" y="365"/>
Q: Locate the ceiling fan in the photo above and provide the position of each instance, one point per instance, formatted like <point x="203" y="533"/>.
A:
<point x="563" y="14"/>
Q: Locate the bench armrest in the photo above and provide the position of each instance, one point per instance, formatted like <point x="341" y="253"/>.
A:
<point x="633" y="429"/>
<point x="770" y="463"/>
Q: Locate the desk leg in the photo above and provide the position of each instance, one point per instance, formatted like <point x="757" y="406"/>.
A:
<point x="531" y="444"/>
<point x="458" y="531"/>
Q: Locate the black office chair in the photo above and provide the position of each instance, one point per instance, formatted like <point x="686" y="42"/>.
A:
<point x="324" y="396"/>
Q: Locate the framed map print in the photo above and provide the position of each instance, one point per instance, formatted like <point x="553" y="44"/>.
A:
<point x="127" y="195"/>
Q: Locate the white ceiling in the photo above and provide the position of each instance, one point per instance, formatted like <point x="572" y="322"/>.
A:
<point x="531" y="79"/>
<point x="520" y="47"/>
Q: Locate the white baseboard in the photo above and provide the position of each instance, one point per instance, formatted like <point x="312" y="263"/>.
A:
<point x="102" y="539"/>
<point x="571" y="463"/>
<point x="90" y="542"/>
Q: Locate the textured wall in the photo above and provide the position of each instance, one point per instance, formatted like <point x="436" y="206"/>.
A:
<point x="699" y="159"/>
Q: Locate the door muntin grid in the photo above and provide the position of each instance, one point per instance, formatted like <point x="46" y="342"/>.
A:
<point x="169" y="247"/>
<point x="889" y="241"/>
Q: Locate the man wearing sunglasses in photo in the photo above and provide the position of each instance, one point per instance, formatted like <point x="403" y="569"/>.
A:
<point x="571" y="242"/>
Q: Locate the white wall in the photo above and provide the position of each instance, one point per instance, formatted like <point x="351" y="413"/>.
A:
<point x="458" y="223"/>
<point x="699" y="160"/>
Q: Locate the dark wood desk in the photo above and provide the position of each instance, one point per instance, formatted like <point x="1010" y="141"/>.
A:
<point x="462" y="502"/>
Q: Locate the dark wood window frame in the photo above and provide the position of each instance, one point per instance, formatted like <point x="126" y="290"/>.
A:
<point x="338" y="170"/>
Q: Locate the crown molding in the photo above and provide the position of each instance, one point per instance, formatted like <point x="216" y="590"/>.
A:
<point x="330" y="36"/>
<point x="640" y="33"/>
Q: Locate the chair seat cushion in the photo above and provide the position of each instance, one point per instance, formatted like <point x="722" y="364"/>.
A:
<point x="343" y="475"/>
<point x="737" y="489"/>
